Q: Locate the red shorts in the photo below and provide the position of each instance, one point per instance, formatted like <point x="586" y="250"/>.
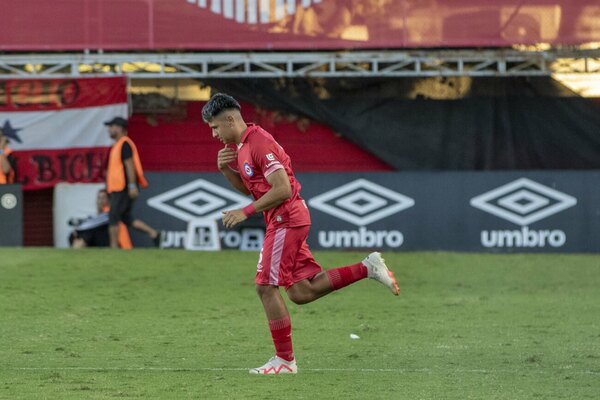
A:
<point x="285" y="257"/>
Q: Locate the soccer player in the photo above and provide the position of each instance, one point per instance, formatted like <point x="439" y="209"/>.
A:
<point x="262" y="168"/>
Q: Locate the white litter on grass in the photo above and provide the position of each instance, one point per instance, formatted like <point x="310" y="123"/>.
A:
<point x="354" y="336"/>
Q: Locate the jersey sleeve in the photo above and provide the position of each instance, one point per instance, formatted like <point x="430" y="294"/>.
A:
<point x="267" y="156"/>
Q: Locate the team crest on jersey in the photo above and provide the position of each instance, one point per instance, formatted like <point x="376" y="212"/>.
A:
<point x="248" y="169"/>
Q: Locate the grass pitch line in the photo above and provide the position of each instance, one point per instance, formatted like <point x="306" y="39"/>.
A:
<point x="355" y="370"/>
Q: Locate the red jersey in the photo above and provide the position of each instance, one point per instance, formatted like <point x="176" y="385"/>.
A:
<point x="258" y="156"/>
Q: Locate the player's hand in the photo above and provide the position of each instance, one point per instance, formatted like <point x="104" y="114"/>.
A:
<point x="224" y="157"/>
<point x="3" y="141"/>
<point x="133" y="193"/>
<point x="233" y="217"/>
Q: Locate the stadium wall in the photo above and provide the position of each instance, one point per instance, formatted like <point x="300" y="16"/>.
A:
<point x="180" y="141"/>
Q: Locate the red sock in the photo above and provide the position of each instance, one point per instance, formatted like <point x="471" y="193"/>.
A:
<point x="344" y="276"/>
<point x="281" y="332"/>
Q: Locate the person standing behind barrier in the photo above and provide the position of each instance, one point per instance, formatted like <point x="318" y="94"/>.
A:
<point x="124" y="177"/>
<point x="7" y="171"/>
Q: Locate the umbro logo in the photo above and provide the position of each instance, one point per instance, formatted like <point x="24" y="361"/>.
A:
<point x="197" y="199"/>
<point x="361" y="202"/>
<point x="523" y="201"/>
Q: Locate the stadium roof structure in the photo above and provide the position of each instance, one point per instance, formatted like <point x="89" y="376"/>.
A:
<point x="327" y="64"/>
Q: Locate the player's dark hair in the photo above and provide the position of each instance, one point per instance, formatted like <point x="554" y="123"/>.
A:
<point x="218" y="103"/>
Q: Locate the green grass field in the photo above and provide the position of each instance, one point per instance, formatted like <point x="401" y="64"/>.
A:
<point x="150" y="324"/>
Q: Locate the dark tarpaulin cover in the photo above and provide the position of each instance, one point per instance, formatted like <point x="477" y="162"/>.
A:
<point x="444" y="123"/>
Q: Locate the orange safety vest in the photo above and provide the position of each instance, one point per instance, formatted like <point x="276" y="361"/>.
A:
<point x="115" y="176"/>
<point x="10" y="177"/>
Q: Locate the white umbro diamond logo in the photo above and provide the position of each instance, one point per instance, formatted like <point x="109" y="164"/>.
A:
<point x="523" y="201"/>
<point x="197" y="199"/>
<point x="361" y="202"/>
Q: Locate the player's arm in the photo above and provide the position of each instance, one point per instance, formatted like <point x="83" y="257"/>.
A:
<point x="224" y="158"/>
<point x="280" y="191"/>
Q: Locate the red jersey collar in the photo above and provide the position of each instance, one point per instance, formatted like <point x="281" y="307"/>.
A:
<point x="251" y="127"/>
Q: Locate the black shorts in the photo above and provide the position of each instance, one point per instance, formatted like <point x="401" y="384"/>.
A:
<point x="93" y="231"/>
<point x="120" y="208"/>
<point x="96" y="237"/>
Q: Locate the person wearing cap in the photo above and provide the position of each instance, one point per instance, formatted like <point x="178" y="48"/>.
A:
<point x="7" y="162"/>
<point x="124" y="177"/>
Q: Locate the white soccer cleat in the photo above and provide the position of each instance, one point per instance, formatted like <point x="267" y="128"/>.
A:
<point x="379" y="271"/>
<point x="276" y="366"/>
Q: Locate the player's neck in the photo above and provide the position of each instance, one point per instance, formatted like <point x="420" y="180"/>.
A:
<point x="243" y="127"/>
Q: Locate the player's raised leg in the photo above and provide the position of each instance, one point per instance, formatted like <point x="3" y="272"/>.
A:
<point x="307" y="290"/>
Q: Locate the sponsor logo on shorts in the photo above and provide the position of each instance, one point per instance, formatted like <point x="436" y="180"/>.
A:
<point x="523" y="202"/>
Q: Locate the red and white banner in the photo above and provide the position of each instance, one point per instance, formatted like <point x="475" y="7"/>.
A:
<point x="56" y="127"/>
<point x="293" y="24"/>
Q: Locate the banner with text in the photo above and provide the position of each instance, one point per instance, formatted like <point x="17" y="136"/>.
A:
<point x="56" y="127"/>
<point x="522" y="211"/>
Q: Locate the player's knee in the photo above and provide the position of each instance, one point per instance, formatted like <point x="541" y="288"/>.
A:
<point x="298" y="297"/>
<point x="265" y="290"/>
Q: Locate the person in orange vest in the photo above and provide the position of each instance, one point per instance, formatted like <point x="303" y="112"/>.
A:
<point x="124" y="177"/>
<point x="7" y="171"/>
